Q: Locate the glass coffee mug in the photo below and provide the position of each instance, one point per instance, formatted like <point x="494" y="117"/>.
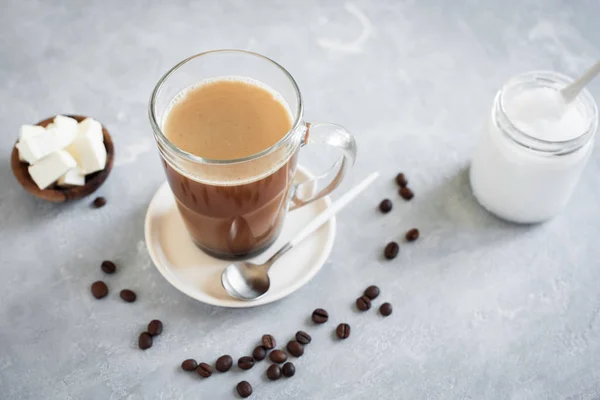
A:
<point x="235" y="208"/>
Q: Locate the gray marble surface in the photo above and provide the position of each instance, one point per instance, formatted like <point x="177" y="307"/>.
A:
<point x="483" y="309"/>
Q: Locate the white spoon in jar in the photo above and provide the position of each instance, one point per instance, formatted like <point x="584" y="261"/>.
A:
<point x="570" y="92"/>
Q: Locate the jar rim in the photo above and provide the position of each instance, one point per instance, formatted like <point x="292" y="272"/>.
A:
<point x="544" y="79"/>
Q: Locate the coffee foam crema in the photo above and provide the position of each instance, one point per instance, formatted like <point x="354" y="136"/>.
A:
<point x="231" y="174"/>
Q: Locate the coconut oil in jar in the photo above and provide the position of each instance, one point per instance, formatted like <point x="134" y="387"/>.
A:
<point x="533" y="149"/>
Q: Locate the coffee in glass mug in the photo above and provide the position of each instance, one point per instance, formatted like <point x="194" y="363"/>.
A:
<point x="228" y="125"/>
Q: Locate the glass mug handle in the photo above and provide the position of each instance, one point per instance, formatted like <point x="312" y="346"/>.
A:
<point x="331" y="135"/>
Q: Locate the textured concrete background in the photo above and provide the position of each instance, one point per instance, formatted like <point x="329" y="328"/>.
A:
<point x="483" y="309"/>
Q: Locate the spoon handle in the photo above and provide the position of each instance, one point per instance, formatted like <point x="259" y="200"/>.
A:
<point x="332" y="210"/>
<point x="570" y="92"/>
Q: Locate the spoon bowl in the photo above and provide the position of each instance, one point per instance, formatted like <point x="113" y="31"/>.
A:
<point x="246" y="280"/>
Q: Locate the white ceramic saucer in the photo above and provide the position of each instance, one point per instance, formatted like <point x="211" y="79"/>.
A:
<point x="199" y="275"/>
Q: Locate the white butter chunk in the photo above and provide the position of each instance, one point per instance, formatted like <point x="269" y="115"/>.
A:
<point x="33" y="148"/>
<point x="66" y="123"/>
<point x="89" y="153"/>
<point x="73" y="177"/>
<point x="92" y="128"/>
<point x="65" y="129"/>
<point x="50" y="168"/>
<point x="28" y="131"/>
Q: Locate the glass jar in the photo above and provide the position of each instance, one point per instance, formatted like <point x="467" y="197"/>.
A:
<point x="519" y="176"/>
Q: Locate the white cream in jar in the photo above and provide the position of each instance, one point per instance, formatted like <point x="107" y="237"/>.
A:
<point x="533" y="149"/>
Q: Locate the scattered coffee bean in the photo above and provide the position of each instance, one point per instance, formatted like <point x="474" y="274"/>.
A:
<point x="155" y="327"/>
<point x="268" y="341"/>
<point x="274" y="372"/>
<point x="145" y="341"/>
<point x="108" y="267"/>
<point x="372" y="292"/>
<point x="295" y="348"/>
<point x="385" y="309"/>
<point x="244" y="389"/>
<point x="385" y="206"/>
<point x="391" y="250"/>
<point x="99" y="202"/>
<point x="406" y="193"/>
<point x="343" y="331"/>
<point x="99" y="289"/>
<point x="128" y="295"/>
<point x="363" y="303"/>
<point x="246" y="362"/>
<point x="259" y="353"/>
<point x="278" y="356"/>
<point x="204" y="370"/>
<point x="320" y="316"/>
<point x="189" y="365"/>
<point x="401" y="180"/>
<point x="303" y="337"/>
<point x="288" y="369"/>
<point x="224" y="363"/>
<point x="412" y="235"/>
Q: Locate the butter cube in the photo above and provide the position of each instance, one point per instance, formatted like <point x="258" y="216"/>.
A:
<point x="65" y="123"/>
<point x="33" y="148"/>
<point x="73" y="177"/>
<point x="50" y="168"/>
<point x="64" y="129"/>
<point x="89" y="153"/>
<point x="28" y="131"/>
<point x="92" y="128"/>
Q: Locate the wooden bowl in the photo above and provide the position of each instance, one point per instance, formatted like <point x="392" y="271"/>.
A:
<point x="57" y="194"/>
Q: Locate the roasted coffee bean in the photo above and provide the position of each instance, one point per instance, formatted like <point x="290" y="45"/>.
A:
<point x="278" y="356"/>
<point x="401" y="180"/>
<point x="343" y="331"/>
<point x="385" y="309"/>
<point x="363" y="303"/>
<point x="391" y="250"/>
<point x="145" y="341"/>
<point x="108" y="267"/>
<point x="268" y="341"/>
<point x="128" y="295"/>
<point x="406" y="193"/>
<point x="99" y="289"/>
<point x="246" y="362"/>
<point x="412" y="235"/>
<point x="204" y="370"/>
<point x="244" y="389"/>
<point x="320" y="316"/>
<point x="259" y="353"/>
<point x="155" y="327"/>
<point x="224" y="363"/>
<point x="189" y="365"/>
<point x="288" y="369"/>
<point x="295" y="348"/>
<point x="99" y="202"/>
<point x="274" y="372"/>
<point x="303" y="337"/>
<point x="372" y="292"/>
<point x="385" y="206"/>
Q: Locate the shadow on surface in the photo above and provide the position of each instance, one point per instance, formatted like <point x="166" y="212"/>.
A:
<point x="452" y="223"/>
<point x="452" y="206"/>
